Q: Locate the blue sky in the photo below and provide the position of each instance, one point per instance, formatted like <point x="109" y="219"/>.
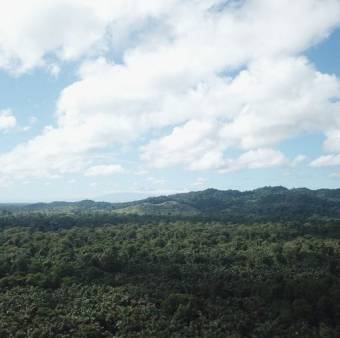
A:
<point x="121" y="101"/>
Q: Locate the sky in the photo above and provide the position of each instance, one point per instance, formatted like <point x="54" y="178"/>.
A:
<point x="118" y="100"/>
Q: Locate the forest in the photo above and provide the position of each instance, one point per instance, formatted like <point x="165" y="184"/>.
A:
<point x="68" y="272"/>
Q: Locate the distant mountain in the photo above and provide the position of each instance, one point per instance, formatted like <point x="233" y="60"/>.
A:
<point x="263" y="204"/>
<point x="268" y="203"/>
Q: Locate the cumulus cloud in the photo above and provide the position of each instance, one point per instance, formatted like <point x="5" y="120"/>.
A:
<point x="269" y="102"/>
<point x="39" y="33"/>
<point x="7" y="120"/>
<point x="193" y="144"/>
<point x="104" y="170"/>
<point x="203" y="77"/>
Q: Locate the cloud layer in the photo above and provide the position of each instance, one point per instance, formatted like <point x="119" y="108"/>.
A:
<point x="193" y="79"/>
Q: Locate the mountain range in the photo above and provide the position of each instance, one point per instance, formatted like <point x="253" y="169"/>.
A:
<point x="263" y="204"/>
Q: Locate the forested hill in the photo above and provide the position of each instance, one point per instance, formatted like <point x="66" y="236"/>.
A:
<point x="263" y="204"/>
<point x="185" y="265"/>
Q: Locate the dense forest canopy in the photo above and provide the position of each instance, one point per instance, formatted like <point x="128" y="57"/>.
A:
<point x="84" y="270"/>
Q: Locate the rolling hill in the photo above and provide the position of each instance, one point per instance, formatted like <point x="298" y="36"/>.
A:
<point x="263" y="204"/>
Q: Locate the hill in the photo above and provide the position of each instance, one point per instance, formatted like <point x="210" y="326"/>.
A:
<point x="263" y="204"/>
<point x="261" y="263"/>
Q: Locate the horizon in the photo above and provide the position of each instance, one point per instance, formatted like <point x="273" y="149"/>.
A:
<point x="118" y="98"/>
<point x="146" y="196"/>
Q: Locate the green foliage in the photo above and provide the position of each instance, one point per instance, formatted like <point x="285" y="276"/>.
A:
<point x="269" y="204"/>
<point x="170" y="279"/>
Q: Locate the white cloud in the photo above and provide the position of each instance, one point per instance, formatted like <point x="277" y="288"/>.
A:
<point x="269" y="102"/>
<point x="104" y="170"/>
<point x="299" y="159"/>
<point x="7" y="120"/>
<point x="54" y="70"/>
<point x="332" y="142"/>
<point x="326" y="161"/>
<point x="170" y="65"/>
<point x="255" y="159"/>
<point x="39" y="33"/>
<point x="192" y="144"/>
<point x="50" y="154"/>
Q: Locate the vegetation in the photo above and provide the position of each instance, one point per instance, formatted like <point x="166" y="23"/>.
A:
<point x="73" y="273"/>
<point x="261" y="205"/>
